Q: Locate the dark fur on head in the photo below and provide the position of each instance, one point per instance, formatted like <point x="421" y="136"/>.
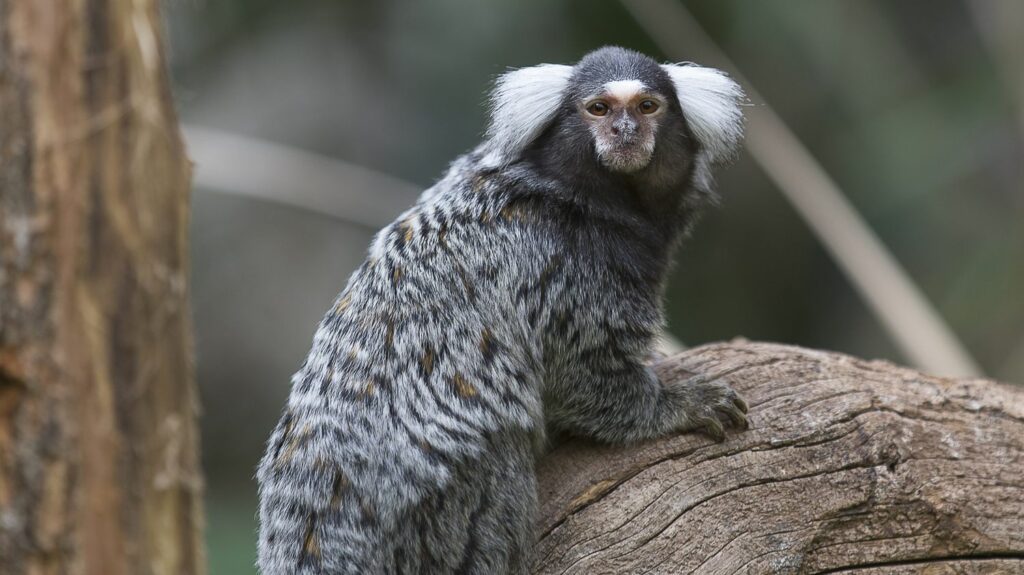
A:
<point x="566" y="150"/>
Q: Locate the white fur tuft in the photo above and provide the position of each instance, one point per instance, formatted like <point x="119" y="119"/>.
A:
<point x="711" y="103"/>
<point x="523" y="103"/>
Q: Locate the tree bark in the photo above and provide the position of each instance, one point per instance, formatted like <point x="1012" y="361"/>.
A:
<point x="849" y="466"/>
<point x="98" y="441"/>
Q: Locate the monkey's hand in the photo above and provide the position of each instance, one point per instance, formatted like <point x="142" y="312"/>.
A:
<point x="631" y="403"/>
<point x="704" y="404"/>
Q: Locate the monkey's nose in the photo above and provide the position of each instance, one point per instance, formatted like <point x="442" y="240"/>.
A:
<point x="624" y="127"/>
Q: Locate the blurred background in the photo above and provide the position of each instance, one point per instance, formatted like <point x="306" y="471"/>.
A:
<point x="313" y="122"/>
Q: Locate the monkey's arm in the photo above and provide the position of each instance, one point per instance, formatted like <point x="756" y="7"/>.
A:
<point x="608" y="393"/>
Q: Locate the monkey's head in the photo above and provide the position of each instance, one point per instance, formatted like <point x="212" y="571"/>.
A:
<point x="622" y="109"/>
<point x="622" y="99"/>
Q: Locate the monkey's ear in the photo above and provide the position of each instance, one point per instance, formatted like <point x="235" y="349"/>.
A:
<point x="711" y="103"/>
<point x="523" y="103"/>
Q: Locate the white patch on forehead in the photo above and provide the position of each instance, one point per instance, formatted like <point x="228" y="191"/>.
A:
<point x="624" y="90"/>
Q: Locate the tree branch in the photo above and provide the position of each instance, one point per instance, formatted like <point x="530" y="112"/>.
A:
<point x="849" y="466"/>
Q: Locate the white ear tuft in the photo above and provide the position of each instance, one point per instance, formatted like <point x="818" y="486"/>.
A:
<point x="523" y="103"/>
<point x="711" y="103"/>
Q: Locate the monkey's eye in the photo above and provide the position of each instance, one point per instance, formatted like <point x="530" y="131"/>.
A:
<point x="648" y="107"/>
<point x="598" y="109"/>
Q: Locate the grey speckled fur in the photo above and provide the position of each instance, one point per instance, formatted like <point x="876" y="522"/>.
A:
<point x="520" y="294"/>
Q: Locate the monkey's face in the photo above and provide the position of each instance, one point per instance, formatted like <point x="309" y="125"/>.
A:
<point x="623" y="118"/>
<point x="618" y="110"/>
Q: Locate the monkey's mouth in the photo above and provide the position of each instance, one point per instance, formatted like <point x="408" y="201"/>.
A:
<point x="625" y="157"/>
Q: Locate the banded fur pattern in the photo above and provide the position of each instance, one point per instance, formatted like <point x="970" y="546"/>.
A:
<point x="518" y="297"/>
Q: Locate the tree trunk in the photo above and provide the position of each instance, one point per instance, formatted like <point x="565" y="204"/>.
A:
<point x="849" y="466"/>
<point x="98" y="440"/>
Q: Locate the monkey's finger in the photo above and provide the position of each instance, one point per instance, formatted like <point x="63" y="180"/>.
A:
<point x="742" y="405"/>
<point x="713" y="427"/>
<point x="737" y="418"/>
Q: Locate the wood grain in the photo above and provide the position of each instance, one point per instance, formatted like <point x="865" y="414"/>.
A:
<point x="850" y="466"/>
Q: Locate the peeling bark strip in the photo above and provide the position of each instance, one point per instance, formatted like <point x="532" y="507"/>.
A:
<point x="849" y="466"/>
<point x="98" y="443"/>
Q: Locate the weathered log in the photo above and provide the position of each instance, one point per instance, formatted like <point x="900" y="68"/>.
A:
<point x="849" y="466"/>
<point x="99" y="472"/>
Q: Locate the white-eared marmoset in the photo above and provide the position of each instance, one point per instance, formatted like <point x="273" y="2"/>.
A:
<point x="520" y="295"/>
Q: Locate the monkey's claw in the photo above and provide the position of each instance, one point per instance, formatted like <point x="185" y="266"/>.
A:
<point x="709" y="406"/>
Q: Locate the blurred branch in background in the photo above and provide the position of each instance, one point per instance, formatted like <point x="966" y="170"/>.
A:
<point x="897" y="303"/>
<point x="253" y="167"/>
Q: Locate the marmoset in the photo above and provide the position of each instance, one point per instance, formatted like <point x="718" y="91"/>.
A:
<point x="519" y="296"/>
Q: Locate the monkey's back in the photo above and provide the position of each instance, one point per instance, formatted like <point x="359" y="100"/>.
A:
<point x="406" y="445"/>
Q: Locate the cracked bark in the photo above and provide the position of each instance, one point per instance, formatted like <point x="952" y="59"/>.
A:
<point x="849" y="466"/>
<point x="98" y="443"/>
